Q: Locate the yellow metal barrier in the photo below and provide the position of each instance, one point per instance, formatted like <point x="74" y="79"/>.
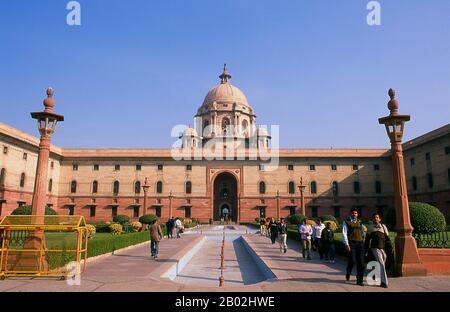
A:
<point x="42" y="246"/>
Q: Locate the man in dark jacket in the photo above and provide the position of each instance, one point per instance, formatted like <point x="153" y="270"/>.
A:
<point x="282" y="233"/>
<point x="376" y="239"/>
<point x="353" y="239"/>
<point x="155" y="237"/>
<point x="327" y="241"/>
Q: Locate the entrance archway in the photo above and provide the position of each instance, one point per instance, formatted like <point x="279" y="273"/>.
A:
<point x="225" y="197"/>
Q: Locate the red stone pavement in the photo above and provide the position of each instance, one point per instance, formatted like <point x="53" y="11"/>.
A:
<point x="132" y="269"/>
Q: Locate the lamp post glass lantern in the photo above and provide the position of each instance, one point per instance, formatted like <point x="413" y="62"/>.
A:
<point x="408" y="262"/>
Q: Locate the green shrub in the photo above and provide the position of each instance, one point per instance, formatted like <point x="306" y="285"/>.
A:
<point x="333" y="225"/>
<point x="328" y="218"/>
<point x="101" y="227"/>
<point x="116" y="229"/>
<point x="148" y="218"/>
<point x="258" y="220"/>
<point x="425" y="219"/>
<point x="122" y="219"/>
<point x="26" y="211"/>
<point x="296" y="218"/>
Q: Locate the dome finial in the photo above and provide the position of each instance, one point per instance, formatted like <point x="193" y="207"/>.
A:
<point x="225" y="75"/>
<point x="393" y="103"/>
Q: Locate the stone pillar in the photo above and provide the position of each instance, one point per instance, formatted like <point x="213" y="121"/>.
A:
<point x="407" y="254"/>
<point x="40" y="185"/>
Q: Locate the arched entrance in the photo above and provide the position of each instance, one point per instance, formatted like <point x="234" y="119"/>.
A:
<point x="225" y="197"/>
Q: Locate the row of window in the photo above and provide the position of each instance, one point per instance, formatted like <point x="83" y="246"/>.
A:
<point x="412" y="160"/>
<point x="313" y="187"/>
<point x="376" y="167"/>
<point x="188" y="185"/>
<point x="138" y="167"/>
<point x="93" y="210"/>
<point x="137" y="187"/>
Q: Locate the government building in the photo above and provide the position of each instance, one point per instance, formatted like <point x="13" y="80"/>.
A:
<point x="225" y="163"/>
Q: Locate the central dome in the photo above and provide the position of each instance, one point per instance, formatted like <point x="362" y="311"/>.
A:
<point x="225" y="97"/>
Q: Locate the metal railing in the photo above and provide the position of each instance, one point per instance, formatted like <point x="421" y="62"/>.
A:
<point x="434" y="240"/>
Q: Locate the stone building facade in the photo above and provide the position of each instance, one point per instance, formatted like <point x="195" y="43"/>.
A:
<point x="99" y="183"/>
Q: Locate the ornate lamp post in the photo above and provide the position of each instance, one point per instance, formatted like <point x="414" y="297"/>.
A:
<point x="278" y="204"/>
<point x="407" y="257"/>
<point x="46" y="124"/>
<point x="301" y="188"/>
<point x="145" y="188"/>
<point x="170" y="204"/>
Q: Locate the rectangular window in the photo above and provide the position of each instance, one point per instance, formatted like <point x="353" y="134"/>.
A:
<point x="430" y="180"/>
<point x="189" y="167"/>
<point x="136" y="212"/>
<point x="52" y="164"/>
<point x="376" y="167"/>
<point x="116" y="167"/>
<point x="356" y="188"/>
<point x="355" y="167"/>
<point x="412" y="161"/>
<point x="314" y="212"/>
<point x="75" y="167"/>
<point x="96" y="167"/>
<point x="312" y="167"/>
<point x="5" y="149"/>
<point x="262" y="168"/>
<point x="158" y="212"/>
<point x="138" y="167"/>
<point x="25" y="156"/>
<point x="337" y="212"/>
<point x="447" y="150"/>
<point x="114" y="211"/>
<point x="92" y="211"/>
<point x="427" y="156"/>
<point x="187" y="212"/>
<point x="414" y="183"/>
<point x="160" y="167"/>
<point x="290" y="167"/>
<point x="333" y="167"/>
<point x="71" y="210"/>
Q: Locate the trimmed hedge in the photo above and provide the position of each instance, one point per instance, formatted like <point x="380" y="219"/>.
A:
<point x="102" y="227"/>
<point x="425" y="219"/>
<point x="296" y="218"/>
<point x="148" y="218"/>
<point x="26" y="211"/>
<point x="96" y="247"/>
<point x="122" y="219"/>
<point x="328" y="218"/>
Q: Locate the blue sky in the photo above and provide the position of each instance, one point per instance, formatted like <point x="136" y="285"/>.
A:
<point x="136" y="68"/>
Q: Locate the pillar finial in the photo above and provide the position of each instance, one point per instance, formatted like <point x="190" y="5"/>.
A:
<point x="393" y="103"/>
<point x="49" y="103"/>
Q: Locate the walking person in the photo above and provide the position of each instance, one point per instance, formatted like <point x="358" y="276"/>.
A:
<point x="317" y="233"/>
<point x="327" y="241"/>
<point x="282" y="234"/>
<point x="178" y="227"/>
<point x="262" y="227"/>
<point x="169" y="226"/>
<point x="273" y="230"/>
<point x="377" y="239"/>
<point x="305" y="230"/>
<point x="156" y="236"/>
<point x="267" y="224"/>
<point x="353" y="239"/>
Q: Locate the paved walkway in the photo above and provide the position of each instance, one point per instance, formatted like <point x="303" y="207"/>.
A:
<point x="133" y="270"/>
